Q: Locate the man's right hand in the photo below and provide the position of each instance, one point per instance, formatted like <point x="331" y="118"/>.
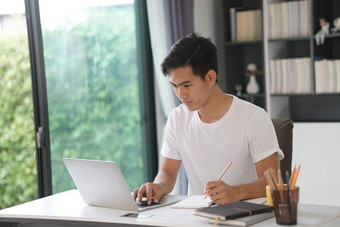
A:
<point x="151" y="191"/>
<point x="163" y="184"/>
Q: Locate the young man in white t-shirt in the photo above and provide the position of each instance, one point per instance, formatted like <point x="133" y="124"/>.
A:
<point x="209" y="130"/>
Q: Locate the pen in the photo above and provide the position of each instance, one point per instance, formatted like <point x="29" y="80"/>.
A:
<point x="221" y="175"/>
<point x="280" y="184"/>
<point x="287" y="179"/>
<point x="212" y="203"/>
<point x="288" y="199"/>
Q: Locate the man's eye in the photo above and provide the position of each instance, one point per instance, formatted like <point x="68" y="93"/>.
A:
<point x="187" y="85"/>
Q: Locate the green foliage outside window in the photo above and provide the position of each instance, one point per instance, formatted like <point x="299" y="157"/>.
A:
<point x="93" y="102"/>
<point x="93" y="96"/>
<point x="18" y="182"/>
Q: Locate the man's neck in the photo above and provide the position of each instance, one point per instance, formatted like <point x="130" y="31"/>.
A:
<point x="216" y="107"/>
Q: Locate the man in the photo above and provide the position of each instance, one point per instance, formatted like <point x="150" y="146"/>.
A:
<point x="209" y="130"/>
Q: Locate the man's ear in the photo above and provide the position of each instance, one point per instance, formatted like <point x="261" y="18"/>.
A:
<point x="211" y="77"/>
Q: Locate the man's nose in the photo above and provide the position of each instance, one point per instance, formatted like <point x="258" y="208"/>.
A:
<point x="181" y="92"/>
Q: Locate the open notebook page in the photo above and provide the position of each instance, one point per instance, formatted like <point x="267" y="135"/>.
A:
<point x="192" y="202"/>
<point x="197" y="202"/>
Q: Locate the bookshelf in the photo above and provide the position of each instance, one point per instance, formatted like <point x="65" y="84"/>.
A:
<point x="300" y="79"/>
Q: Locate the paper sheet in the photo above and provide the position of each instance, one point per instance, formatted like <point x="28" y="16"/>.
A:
<point x="196" y="202"/>
<point x="192" y="202"/>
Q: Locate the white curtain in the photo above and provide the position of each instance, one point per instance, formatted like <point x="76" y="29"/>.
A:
<point x="157" y="26"/>
<point x="165" y="101"/>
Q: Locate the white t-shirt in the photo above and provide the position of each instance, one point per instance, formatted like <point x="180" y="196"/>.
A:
<point x="243" y="136"/>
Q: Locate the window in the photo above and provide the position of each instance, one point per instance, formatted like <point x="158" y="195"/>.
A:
<point x="93" y="92"/>
<point x="89" y="85"/>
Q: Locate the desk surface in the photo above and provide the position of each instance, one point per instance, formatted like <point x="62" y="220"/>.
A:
<point x="68" y="207"/>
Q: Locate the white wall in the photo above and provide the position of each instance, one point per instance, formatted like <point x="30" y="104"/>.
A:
<point x="208" y="21"/>
<point x="204" y="19"/>
<point x="316" y="146"/>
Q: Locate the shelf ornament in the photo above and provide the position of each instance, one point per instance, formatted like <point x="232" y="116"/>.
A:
<point x="336" y="24"/>
<point x="320" y="35"/>
<point x="238" y="88"/>
<point x="252" y="86"/>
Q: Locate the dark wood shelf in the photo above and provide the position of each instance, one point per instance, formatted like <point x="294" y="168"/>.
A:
<point x="332" y="35"/>
<point x="243" y="43"/>
<point x="292" y="39"/>
<point x="245" y="95"/>
<point x="306" y="94"/>
<point x="306" y="107"/>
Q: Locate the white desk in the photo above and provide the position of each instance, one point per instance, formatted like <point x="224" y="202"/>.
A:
<point x="68" y="209"/>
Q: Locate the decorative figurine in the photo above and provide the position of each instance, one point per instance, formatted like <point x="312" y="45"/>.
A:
<point x="238" y="88"/>
<point x="252" y="86"/>
<point x="336" y="24"/>
<point x="320" y="35"/>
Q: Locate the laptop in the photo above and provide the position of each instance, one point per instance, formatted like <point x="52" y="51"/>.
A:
<point x="101" y="183"/>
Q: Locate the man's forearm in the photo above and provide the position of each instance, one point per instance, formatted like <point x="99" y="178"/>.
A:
<point x="253" y="189"/>
<point x="165" y="181"/>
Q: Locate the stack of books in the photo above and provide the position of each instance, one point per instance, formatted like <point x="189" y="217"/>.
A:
<point x="289" y="19"/>
<point x="327" y="76"/>
<point x="290" y="76"/>
<point x="245" y="25"/>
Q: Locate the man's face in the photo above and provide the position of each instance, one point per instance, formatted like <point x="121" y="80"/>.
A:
<point x="190" y="88"/>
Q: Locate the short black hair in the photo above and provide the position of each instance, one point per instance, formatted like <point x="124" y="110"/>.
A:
<point x="192" y="50"/>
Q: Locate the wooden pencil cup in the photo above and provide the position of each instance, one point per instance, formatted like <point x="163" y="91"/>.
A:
<point x="285" y="205"/>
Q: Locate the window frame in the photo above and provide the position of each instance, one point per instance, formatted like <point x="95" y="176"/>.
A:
<point x="40" y="102"/>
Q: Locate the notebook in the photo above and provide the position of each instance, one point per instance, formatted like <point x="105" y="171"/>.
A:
<point x="244" y="221"/>
<point x="101" y="183"/>
<point x="234" y="210"/>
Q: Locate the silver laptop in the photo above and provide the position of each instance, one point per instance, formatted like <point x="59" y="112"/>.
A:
<point x="101" y="183"/>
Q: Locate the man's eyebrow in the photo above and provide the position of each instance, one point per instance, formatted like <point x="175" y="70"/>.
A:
<point x="182" y="83"/>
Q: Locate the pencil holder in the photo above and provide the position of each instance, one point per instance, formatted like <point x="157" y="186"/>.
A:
<point x="285" y="205"/>
<point x="269" y="195"/>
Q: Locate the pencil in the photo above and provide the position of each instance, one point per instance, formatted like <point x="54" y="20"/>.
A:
<point x="272" y="173"/>
<point x="269" y="179"/>
<point x="295" y="177"/>
<point x="221" y="175"/>
<point x="292" y="176"/>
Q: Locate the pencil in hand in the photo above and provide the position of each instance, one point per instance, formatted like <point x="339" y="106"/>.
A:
<point x="221" y="175"/>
